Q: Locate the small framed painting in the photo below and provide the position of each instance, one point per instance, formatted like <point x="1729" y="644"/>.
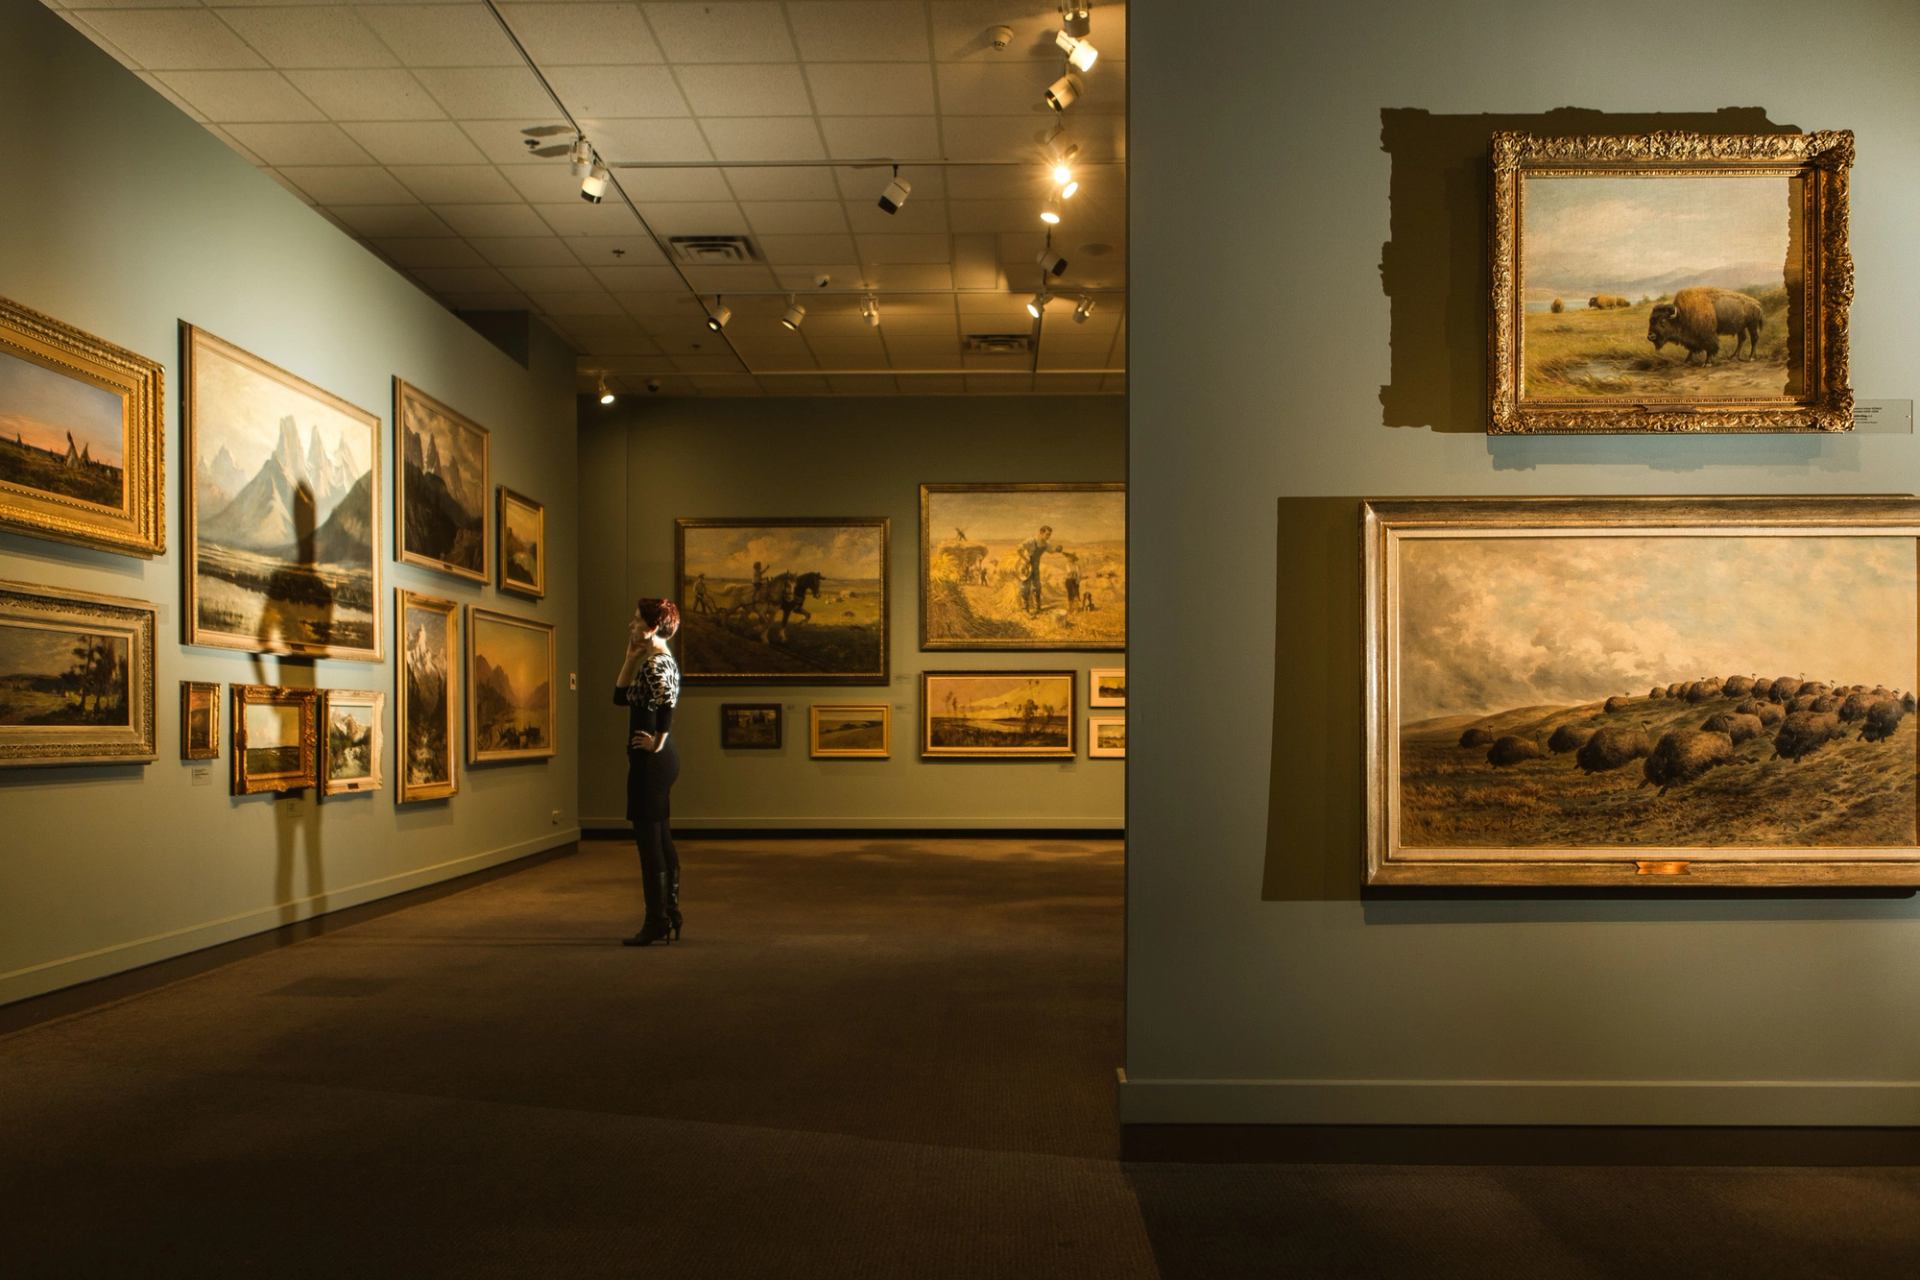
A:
<point x="275" y="738"/>
<point x="1007" y="715"/>
<point x="1670" y="282"/>
<point x="352" y="741"/>
<point x="80" y="437"/>
<point x="1107" y="687"/>
<point x="510" y="677"/>
<point x="427" y="691"/>
<point x="850" y="731"/>
<point x="750" y="726"/>
<point x="1106" y="737"/>
<point x="199" y="720"/>
<point x="76" y="677"/>
<point x="440" y="500"/>
<point x="522" y="554"/>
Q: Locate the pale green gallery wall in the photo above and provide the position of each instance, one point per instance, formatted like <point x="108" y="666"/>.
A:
<point x="121" y="216"/>
<point x="644" y="462"/>
<point x="1308" y="328"/>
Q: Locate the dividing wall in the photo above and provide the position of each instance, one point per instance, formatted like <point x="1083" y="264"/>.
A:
<point x="121" y="216"/>
<point x="1308" y="328"/>
<point x="645" y="462"/>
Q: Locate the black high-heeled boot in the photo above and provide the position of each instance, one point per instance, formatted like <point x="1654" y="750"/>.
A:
<point x="673" y="902"/>
<point x="656" y="928"/>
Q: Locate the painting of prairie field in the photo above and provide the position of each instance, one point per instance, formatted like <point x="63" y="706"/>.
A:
<point x="1660" y="690"/>
<point x="1660" y="287"/>
<point x="1005" y="714"/>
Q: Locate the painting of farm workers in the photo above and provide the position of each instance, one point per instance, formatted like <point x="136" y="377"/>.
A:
<point x="1560" y="693"/>
<point x="1037" y="566"/>
<point x="784" y="601"/>
<point x="1667" y="287"/>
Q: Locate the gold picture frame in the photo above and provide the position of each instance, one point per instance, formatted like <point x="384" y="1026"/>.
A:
<point x="439" y="505"/>
<point x="275" y="738"/>
<point x="512" y="704"/>
<point x="1613" y="720"/>
<point x="998" y="715"/>
<point x="521" y="556"/>
<point x="850" y="731"/>
<point x="1107" y="687"/>
<point x="426" y="693"/>
<point x="1773" y="268"/>
<point x="352" y="740"/>
<point x="57" y="378"/>
<point x="256" y="432"/>
<point x="76" y="677"/>
<point x="199" y="720"/>
<point x="1106" y="737"/>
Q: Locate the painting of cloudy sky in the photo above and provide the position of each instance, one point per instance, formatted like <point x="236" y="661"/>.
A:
<point x="1490" y="624"/>
<point x="1648" y="236"/>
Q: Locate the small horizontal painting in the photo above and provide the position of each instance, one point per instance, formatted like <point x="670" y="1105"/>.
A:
<point x="76" y="677"/>
<point x="852" y="731"/>
<point x="1010" y="715"/>
<point x="750" y="726"/>
<point x="1106" y="737"/>
<point x="1107" y="687"/>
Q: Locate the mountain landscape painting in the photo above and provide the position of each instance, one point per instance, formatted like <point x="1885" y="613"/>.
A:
<point x="510" y="668"/>
<point x="350" y="740"/>
<point x="427" y="697"/>
<point x="441" y="500"/>
<point x="523" y="544"/>
<point x="1009" y="714"/>
<point x="282" y="510"/>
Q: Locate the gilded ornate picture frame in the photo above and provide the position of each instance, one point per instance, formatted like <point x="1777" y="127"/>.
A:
<point x="76" y="677"/>
<point x="441" y="485"/>
<point x="1597" y="691"/>
<point x="521" y="556"/>
<point x="1670" y="282"/>
<point x="426" y="694"/>
<point x="275" y="738"/>
<point x="81" y="442"/>
<point x="199" y="720"/>
<point x="352" y="740"/>
<point x="850" y="731"/>
<point x="997" y="715"/>
<point x="512" y="711"/>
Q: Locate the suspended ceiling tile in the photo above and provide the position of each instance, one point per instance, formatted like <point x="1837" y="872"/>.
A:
<point x="795" y="385"/>
<point x="937" y="305"/>
<point x="281" y="145"/>
<point x="867" y="385"/>
<point x="348" y="184"/>
<point x="782" y="184"/>
<point x="169" y="39"/>
<point x="764" y="138"/>
<point x="893" y="276"/>
<point x="730" y="279"/>
<point x="726" y="385"/>
<point x="874" y="137"/>
<point x="708" y="362"/>
<point x="733" y="32"/>
<point x="484" y="300"/>
<point x="681" y="337"/>
<point x="784" y="250"/>
<point x="695" y="219"/>
<point x="549" y="182"/>
<point x="582" y="302"/>
<point x="463" y="279"/>
<point x="999" y="89"/>
<point x="582" y="34"/>
<point x="872" y="88"/>
<point x="583" y="219"/>
<point x="860" y="31"/>
<point x="844" y="334"/>
<point x="782" y="361"/>
<point x="553" y="279"/>
<point x="287" y="184"/>
<point x="631" y="248"/>
<point x="523" y="251"/>
<point x="805" y="275"/>
<point x="912" y="353"/>
<point x="488" y="93"/>
<point x="905" y="248"/>
<point x="750" y="90"/>
<point x="429" y="251"/>
<point x="457" y="183"/>
<point x="960" y="30"/>
<point x="991" y="137"/>
<point x="1001" y="183"/>
<point x="504" y="142"/>
<point x="810" y="218"/>
<point x="498" y="220"/>
<point x="622" y="91"/>
<point x="318" y="36"/>
<point x="867" y="181"/>
<point x="367" y="94"/>
<point x="390" y="221"/>
<point x="658" y="305"/>
<point x="405" y="142"/>
<point x="915" y="217"/>
<point x="640" y="280"/>
<point x="999" y="308"/>
<point x="996" y="216"/>
<point x="443" y="35"/>
<point x="918" y="328"/>
<point x="647" y="141"/>
<point x="235" y="146"/>
<point x="682" y="185"/>
<point x="154" y="83"/>
<point x="260" y="96"/>
<point x="931" y="384"/>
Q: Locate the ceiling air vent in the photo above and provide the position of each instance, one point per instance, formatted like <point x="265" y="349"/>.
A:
<point x="713" y="251"/>
<point x="999" y="344"/>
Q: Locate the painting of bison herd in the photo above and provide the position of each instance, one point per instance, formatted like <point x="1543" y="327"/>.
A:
<point x="1565" y="693"/>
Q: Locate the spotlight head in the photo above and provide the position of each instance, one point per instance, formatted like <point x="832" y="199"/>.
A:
<point x="1068" y="187"/>
<point x="580" y="157"/>
<point x="653" y="384"/>
<point x="606" y="397"/>
<point x="1081" y="54"/>
<point x="1037" y="304"/>
<point x="870" y="310"/>
<point x="1000" y="37"/>
<point x="1076" y="17"/>
<point x="794" y="316"/>
<point x="593" y="188"/>
<point x="896" y="194"/>
<point x="1050" y="211"/>
<point x="1061" y="170"/>
<point x="1051" y="263"/>
<point x="1062" y="92"/>
<point x="1082" y="310"/>
<point x="718" y="317"/>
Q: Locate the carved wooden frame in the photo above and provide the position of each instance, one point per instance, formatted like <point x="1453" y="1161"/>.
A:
<point x="307" y="772"/>
<point x="1822" y="159"/>
<point x="135" y="621"/>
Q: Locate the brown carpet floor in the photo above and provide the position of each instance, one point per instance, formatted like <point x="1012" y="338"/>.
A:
<point x="867" y="1058"/>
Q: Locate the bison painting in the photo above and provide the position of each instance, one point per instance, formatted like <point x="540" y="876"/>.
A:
<point x="1699" y="317"/>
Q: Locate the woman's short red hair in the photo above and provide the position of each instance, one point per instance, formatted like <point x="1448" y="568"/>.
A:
<point x="660" y="615"/>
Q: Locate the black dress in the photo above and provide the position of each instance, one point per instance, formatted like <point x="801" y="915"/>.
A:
<point x="650" y="700"/>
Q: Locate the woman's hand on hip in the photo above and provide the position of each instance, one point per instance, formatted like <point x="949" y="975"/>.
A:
<point x="641" y="741"/>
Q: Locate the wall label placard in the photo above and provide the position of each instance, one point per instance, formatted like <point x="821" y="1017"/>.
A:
<point x="1893" y="417"/>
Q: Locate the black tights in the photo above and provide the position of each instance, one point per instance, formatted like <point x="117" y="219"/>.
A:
<point x="659" y="864"/>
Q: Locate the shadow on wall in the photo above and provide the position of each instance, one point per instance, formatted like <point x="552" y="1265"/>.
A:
<point x="1434" y="269"/>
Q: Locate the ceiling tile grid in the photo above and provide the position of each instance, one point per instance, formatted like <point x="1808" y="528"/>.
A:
<point x="417" y="128"/>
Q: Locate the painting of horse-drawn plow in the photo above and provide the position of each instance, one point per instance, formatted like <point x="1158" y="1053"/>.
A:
<point x="1670" y="282"/>
<point x="783" y="601"/>
<point x="1725" y="693"/>
<point x="1023" y="566"/>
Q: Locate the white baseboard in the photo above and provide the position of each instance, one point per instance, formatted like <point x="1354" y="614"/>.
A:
<point x="67" y="971"/>
<point x="1115" y="825"/>
<point x="1529" y="1102"/>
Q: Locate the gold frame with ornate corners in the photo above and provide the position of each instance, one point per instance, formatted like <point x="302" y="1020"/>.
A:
<point x="406" y="791"/>
<point x="476" y="753"/>
<point x="138" y="526"/>
<point x="1387" y="524"/>
<point x="405" y="394"/>
<point x="1822" y="160"/>
<point x="307" y="703"/>
<point x="38" y="608"/>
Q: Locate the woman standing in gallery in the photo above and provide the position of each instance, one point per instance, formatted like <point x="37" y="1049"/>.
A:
<point x="649" y="687"/>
